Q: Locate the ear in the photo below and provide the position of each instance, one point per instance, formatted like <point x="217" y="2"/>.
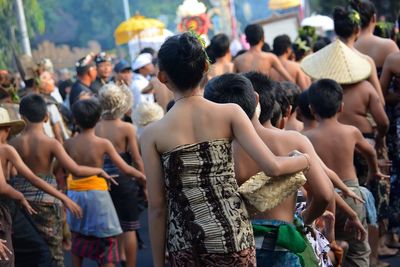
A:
<point x="288" y="112"/>
<point x="46" y="118"/>
<point x="374" y="19"/>
<point x="257" y="97"/>
<point x="207" y="67"/>
<point x="162" y="76"/>
<point x="341" y="107"/>
<point x="312" y="110"/>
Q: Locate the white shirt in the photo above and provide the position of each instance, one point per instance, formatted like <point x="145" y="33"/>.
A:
<point x="139" y="82"/>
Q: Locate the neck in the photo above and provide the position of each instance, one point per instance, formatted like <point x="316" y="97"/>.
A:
<point x="309" y="124"/>
<point x="327" y="122"/>
<point x="257" y="47"/>
<point x="349" y="41"/>
<point x="85" y="80"/>
<point x="369" y="30"/>
<point x="182" y="95"/>
<point x="225" y="59"/>
<point x="88" y="132"/>
<point x="34" y="127"/>
<point x="284" y="56"/>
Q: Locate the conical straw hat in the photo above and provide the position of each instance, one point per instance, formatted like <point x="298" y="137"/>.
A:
<point x="337" y="62"/>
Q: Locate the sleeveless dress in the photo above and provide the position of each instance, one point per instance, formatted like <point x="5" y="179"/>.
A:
<point x="207" y="221"/>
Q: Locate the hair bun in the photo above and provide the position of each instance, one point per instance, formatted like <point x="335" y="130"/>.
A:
<point x="339" y="13"/>
<point x="190" y="47"/>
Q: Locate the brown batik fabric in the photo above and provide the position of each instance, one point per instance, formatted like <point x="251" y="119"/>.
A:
<point x="206" y="213"/>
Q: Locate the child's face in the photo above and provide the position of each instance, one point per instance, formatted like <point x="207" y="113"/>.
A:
<point x="46" y="83"/>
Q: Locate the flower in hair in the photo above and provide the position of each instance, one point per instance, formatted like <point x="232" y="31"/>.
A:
<point x="355" y="17"/>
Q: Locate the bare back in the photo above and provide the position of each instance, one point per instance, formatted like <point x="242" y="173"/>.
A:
<point x="335" y="145"/>
<point x="87" y="150"/>
<point x="254" y="61"/>
<point x="219" y="68"/>
<point x="357" y="100"/>
<point x="199" y="121"/>
<point x="376" y="47"/>
<point x="293" y="68"/>
<point x="36" y="151"/>
<point x="116" y="131"/>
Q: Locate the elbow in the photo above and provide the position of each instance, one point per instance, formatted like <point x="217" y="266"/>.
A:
<point x="276" y="169"/>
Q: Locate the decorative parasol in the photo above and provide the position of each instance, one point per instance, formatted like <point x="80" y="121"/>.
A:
<point x="283" y="4"/>
<point x="134" y="27"/>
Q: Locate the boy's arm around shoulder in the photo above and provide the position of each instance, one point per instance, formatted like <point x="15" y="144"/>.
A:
<point x="318" y="183"/>
<point x="68" y="163"/>
<point x="378" y="113"/>
<point x="21" y="167"/>
<point x="120" y="163"/>
<point x="156" y="196"/>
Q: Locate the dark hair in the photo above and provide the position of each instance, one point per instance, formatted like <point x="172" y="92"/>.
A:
<point x="184" y="59"/>
<point x="321" y="43"/>
<point x="292" y="92"/>
<point x="220" y="44"/>
<point x="240" y="52"/>
<point x="325" y="97"/>
<point x="232" y="88"/>
<point x="210" y="54"/>
<point x="33" y="107"/>
<point x="276" y="114"/>
<point x="366" y="9"/>
<point x="86" y="113"/>
<point x="170" y="105"/>
<point x="280" y="97"/>
<point x="263" y="85"/>
<point x="281" y="44"/>
<point x="149" y="50"/>
<point x="254" y="34"/>
<point x="266" y="47"/>
<point x="303" y="103"/>
<point x="345" y="26"/>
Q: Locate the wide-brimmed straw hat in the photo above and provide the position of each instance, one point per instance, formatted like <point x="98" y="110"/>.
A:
<point x="16" y="125"/>
<point x="337" y="62"/>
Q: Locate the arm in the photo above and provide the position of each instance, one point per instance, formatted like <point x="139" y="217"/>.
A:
<point x="121" y="164"/>
<point x="380" y="117"/>
<point x="156" y="198"/>
<point x="301" y="80"/>
<point x="9" y="191"/>
<point x="319" y="185"/>
<point x="15" y="159"/>
<point x="374" y="80"/>
<point x="389" y="68"/>
<point x="369" y="152"/>
<point x="134" y="149"/>
<point x="247" y="137"/>
<point x="277" y="65"/>
<point x="68" y="163"/>
<point x="338" y="183"/>
<point x="353" y="222"/>
<point x="57" y="132"/>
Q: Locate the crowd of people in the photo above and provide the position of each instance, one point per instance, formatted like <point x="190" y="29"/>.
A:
<point x="271" y="157"/>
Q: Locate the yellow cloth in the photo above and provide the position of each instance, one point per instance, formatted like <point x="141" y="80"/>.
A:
<point x="90" y="183"/>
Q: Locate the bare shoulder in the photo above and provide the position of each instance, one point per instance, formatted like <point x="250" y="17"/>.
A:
<point x="389" y="44"/>
<point x="128" y="128"/>
<point x="269" y="56"/>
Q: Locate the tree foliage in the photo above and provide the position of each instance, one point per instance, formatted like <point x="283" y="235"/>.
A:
<point x="9" y="33"/>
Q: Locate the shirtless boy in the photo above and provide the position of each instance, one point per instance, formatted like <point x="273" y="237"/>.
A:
<point x="256" y="60"/>
<point x="233" y="88"/>
<point x="220" y="46"/>
<point x="335" y="144"/>
<point x="38" y="151"/>
<point x="283" y="50"/>
<point x="100" y="221"/>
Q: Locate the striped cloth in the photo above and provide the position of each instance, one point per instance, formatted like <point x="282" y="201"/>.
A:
<point x="34" y="194"/>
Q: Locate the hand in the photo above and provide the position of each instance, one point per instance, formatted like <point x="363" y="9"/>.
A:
<point x="378" y="175"/>
<point x="4" y="250"/>
<point x="25" y="204"/>
<point x="141" y="179"/>
<point x="384" y="165"/>
<point x="108" y="177"/>
<point x="356" y="226"/>
<point x="354" y="196"/>
<point x="73" y="208"/>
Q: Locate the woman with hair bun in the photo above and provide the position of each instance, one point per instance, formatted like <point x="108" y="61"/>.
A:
<point x="195" y="209"/>
<point x="347" y="28"/>
<point x="376" y="47"/>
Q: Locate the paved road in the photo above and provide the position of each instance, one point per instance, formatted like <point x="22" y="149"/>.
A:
<point x="144" y="255"/>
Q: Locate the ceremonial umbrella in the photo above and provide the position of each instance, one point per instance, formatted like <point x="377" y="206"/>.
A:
<point x="318" y="21"/>
<point x="283" y="4"/>
<point x="133" y="28"/>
